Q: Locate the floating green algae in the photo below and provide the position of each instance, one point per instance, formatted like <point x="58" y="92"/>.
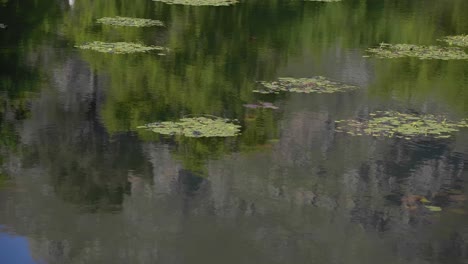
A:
<point x="196" y="127"/>
<point x="401" y="125"/>
<point x="460" y="40"/>
<point x="200" y="2"/>
<point x="129" y="22"/>
<point x="422" y="52"/>
<point x="317" y="84"/>
<point x="119" y="47"/>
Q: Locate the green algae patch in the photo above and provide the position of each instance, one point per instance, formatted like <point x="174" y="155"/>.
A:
<point x="401" y="125"/>
<point x="318" y="84"/>
<point x="200" y="2"/>
<point x="129" y="22"/>
<point x="459" y="40"/>
<point x="119" y="47"/>
<point x="422" y="52"/>
<point x="196" y="127"/>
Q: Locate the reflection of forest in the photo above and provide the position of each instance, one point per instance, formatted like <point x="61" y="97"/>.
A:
<point x="89" y="189"/>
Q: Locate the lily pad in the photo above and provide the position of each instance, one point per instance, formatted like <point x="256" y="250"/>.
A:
<point x="401" y="125"/>
<point x="422" y="52"/>
<point x="119" y="47"/>
<point x="318" y="84"/>
<point x="196" y="127"/>
<point x="200" y="2"/>
<point x="460" y="40"/>
<point x="129" y="22"/>
<point x="433" y="208"/>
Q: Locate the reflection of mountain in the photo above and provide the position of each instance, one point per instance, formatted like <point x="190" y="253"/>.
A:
<point x="316" y="195"/>
<point x="88" y="189"/>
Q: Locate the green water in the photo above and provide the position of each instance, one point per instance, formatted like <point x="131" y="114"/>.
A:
<point x="81" y="184"/>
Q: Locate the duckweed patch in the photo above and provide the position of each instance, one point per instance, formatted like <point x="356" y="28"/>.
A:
<point x="422" y="52"/>
<point x="460" y="40"/>
<point x="196" y="127"/>
<point x="318" y="84"/>
<point x="119" y="47"/>
<point x="129" y="22"/>
<point x="400" y="125"/>
<point x="200" y="2"/>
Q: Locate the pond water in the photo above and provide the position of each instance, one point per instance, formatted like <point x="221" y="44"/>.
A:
<point x="80" y="183"/>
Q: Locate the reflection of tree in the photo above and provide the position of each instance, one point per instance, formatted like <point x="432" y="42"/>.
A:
<point x="315" y="195"/>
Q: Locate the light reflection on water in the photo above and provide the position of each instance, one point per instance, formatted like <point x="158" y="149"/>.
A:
<point x="79" y="184"/>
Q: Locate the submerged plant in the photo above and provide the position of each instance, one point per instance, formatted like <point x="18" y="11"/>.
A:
<point x="200" y="2"/>
<point x="196" y="127"/>
<point x="316" y="84"/>
<point x="119" y="47"/>
<point x="395" y="124"/>
<point x="460" y="40"/>
<point x="129" y="22"/>
<point x="422" y="52"/>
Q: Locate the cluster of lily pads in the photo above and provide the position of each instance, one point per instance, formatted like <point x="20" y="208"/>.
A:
<point x="200" y="2"/>
<point x="119" y="47"/>
<point x="386" y="50"/>
<point x="129" y="22"/>
<point x="318" y="84"/>
<point x="196" y="127"/>
<point x="460" y="40"/>
<point x="401" y="125"/>
<point x="124" y="47"/>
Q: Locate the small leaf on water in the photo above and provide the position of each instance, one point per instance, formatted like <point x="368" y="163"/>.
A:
<point x="433" y="208"/>
<point x="424" y="200"/>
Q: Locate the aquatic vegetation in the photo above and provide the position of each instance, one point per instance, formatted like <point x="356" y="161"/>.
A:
<point x="119" y="47"/>
<point x="422" y="52"/>
<point x="261" y="105"/>
<point x="200" y="2"/>
<point x="196" y="127"/>
<point x="401" y="125"/>
<point x="433" y="208"/>
<point x="460" y="40"/>
<point x="129" y="22"/>
<point x="316" y="84"/>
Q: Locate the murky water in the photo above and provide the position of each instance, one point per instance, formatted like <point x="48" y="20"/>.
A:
<point x="80" y="184"/>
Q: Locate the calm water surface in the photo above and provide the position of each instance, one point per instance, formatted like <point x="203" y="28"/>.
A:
<point x="80" y="184"/>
